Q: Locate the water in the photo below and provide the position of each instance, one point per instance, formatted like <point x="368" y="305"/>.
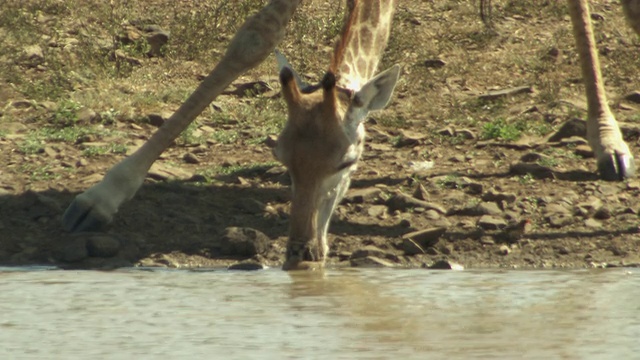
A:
<point x="343" y="314"/>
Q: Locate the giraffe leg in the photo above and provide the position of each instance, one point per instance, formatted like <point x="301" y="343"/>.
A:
<point x="615" y="160"/>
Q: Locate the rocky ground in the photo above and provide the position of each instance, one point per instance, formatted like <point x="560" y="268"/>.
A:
<point x="480" y="160"/>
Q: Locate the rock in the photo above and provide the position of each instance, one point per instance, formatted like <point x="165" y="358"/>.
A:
<point x="378" y="211"/>
<point x="370" y="261"/>
<point x="573" y="127"/>
<point x="633" y="97"/>
<point x="103" y="246"/>
<point x="342" y="255"/>
<point x="466" y="134"/>
<point x="251" y="88"/>
<point x="247" y="266"/>
<point x="33" y="55"/>
<point x="488" y="222"/>
<point x="499" y="197"/>
<point x="556" y="208"/>
<point x="164" y="172"/>
<point x="156" y="119"/>
<point x="73" y="249"/>
<point x="245" y="242"/>
<point x="446" y="265"/>
<point x="488" y="208"/>
<point x="421" y="193"/>
<point x="494" y="95"/>
<point x="271" y="141"/>
<point x="360" y="196"/>
<point x="432" y="214"/>
<point x="447" y="131"/>
<point x="410" y="138"/>
<point x="584" y="151"/>
<point x="504" y="250"/>
<point x="120" y="55"/>
<point x="423" y="238"/>
<point x="156" y="38"/>
<point x="538" y="171"/>
<point x="411" y="247"/>
<point x="487" y="240"/>
<point x="554" y="54"/>
<point x="191" y="158"/>
<point x="533" y="157"/>
<point x="633" y="185"/>
<point x="592" y="223"/>
<point x="560" y="220"/>
<point x="592" y="203"/>
<point x="606" y="189"/>
<point x="573" y="141"/>
<point x="368" y="250"/>
<point x="251" y="206"/>
<point x="22" y="104"/>
<point x="402" y="202"/>
<point x="434" y="63"/>
<point x="86" y="115"/>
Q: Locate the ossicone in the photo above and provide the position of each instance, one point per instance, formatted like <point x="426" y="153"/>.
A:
<point x="329" y="81"/>
<point x="290" y="89"/>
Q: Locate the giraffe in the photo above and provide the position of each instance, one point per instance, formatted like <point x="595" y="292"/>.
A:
<point x="323" y="138"/>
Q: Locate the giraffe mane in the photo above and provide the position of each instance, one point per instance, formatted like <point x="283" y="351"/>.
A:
<point x="345" y="36"/>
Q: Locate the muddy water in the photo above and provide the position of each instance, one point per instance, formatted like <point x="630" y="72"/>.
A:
<point x="342" y="314"/>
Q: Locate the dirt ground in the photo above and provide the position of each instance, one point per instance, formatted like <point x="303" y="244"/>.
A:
<point x="441" y="156"/>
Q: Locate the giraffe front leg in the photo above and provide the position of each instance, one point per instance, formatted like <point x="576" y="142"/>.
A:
<point x="615" y="160"/>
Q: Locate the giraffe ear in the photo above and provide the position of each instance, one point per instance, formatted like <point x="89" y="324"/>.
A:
<point x="376" y="93"/>
<point x="284" y="63"/>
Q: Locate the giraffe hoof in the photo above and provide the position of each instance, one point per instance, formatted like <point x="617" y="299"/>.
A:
<point x="81" y="215"/>
<point x="616" y="167"/>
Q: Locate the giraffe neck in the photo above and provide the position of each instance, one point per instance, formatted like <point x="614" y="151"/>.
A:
<point x="363" y="39"/>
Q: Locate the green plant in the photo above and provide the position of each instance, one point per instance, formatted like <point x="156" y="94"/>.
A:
<point x="66" y="114"/>
<point x="102" y="150"/>
<point x="31" y="145"/>
<point x="526" y="179"/>
<point x="500" y="129"/>
<point x="548" y="161"/>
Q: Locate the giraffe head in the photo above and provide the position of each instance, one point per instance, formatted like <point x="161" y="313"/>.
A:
<point x="320" y="146"/>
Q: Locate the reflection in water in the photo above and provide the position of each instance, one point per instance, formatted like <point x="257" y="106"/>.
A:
<point x="336" y="314"/>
